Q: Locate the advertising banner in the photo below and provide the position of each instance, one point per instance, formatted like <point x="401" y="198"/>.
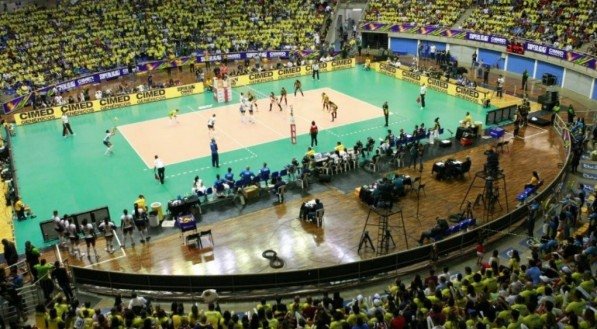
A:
<point x="105" y="104"/>
<point x="291" y="72"/>
<point x="477" y="95"/>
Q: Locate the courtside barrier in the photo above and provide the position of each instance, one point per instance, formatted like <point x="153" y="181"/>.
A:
<point x="351" y="272"/>
<point x="476" y="95"/>
<point x="107" y="103"/>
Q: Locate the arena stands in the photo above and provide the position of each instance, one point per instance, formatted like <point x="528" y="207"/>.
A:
<point x="566" y="24"/>
<point x="442" y="12"/>
<point x="539" y="288"/>
<point x="41" y="46"/>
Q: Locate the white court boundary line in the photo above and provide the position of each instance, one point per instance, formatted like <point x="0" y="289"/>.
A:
<point x="236" y="92"/>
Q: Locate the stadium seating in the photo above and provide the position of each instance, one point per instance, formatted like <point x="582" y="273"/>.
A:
<point x="40" y="46"/>
<point x="559" y="22"/>
<point x="441" y="12"/>
<point x="566" y="24"/>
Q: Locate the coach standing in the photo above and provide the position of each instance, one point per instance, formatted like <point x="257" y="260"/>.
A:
<point x="215" y="157"/>
<point x="66" y="129"/>
<point x="159" y="169"/>
<point x="315" y="69"/>
<point x="422" y="93"/>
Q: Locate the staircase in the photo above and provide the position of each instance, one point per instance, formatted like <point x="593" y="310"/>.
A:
<point x="460" y="22"/>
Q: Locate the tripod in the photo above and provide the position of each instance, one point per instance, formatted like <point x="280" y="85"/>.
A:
<point x="366" y="241"/>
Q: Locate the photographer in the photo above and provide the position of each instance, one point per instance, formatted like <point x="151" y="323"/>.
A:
<point x="436" y="232"/>
<point x="493" y="162"/>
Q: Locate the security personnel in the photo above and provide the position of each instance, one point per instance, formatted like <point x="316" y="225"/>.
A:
<point x="571" y="114"/>
<point x="556" y="110"/>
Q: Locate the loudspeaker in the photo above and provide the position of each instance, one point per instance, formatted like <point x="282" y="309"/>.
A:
<point x="552" y="96"/>
<point x="548" y="79"/>
<point x="323" y="178"/>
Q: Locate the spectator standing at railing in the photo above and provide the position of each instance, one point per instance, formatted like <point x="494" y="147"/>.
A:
<point x="61" y="276"/>
<point x="32" y="256"/>
<point x="45" y="282"/>
<point x="10" y="252"/>
<point x="525" y="78"/>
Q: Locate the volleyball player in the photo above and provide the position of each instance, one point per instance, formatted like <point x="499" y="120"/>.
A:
<point x="242" y="109"/>
<point x="173" y="115"/>
<point x="326" y="101"/>
<point x="108" y="228"/>
<point x="298" y="86"/>
<point x="211" y="124"/>
<point x="333" y="110"/>
<point x="272" y="100"/>
<point x="126" y="224"/>
<point x="59" y="228"/>
<point x="73" y="237"/>
<point x="89" y="234"/>
<point x="106" y="141"/>
<point x="140" y="219"/>
<point x="283" y="93"/>
<point x="252" y="100"/>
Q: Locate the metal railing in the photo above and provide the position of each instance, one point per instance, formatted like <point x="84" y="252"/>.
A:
<point x="345" y="273"/>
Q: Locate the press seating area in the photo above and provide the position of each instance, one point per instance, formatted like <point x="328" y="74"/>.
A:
<point x="420" y="13"/>
<point x="41" y="46"/>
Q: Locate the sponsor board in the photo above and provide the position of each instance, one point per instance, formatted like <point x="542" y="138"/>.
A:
<point x="472" y="95"/>
<point x="115" y="102"/>
<point x="468" y="94"/>
<point x="438" y="85"/>
<point x="35" y="116"/>
<point x="289" y="72"/>
<point x="411" y="77"/>
<point x="105" y="104"/>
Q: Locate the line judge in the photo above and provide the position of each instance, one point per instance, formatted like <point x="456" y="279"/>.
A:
<point x="159" y="169"/>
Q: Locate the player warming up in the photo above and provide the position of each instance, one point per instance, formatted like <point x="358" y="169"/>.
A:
<point x="283" y="93"/>
<point x="173" y="115"/>
<point x="273" y="100"/>
<point x="298" y="86"/>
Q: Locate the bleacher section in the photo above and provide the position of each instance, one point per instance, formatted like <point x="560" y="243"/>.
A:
<point x="441" y="12"/>
<point x="40" y="46"/>
<point x="559" y="22"/>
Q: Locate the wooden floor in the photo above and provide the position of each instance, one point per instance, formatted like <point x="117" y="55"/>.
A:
<point x="240" y="241"/>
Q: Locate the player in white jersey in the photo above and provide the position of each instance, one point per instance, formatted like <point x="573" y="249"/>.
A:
<point x="73" y="237"/>
<point x="140" y="218"/>
<point x="89" y="234"/>
<point x="59" y="228"/>
<point x="127" y="225"/>
<point x="108" y="228"/>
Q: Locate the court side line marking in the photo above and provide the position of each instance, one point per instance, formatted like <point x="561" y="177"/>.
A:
<point x="134" y="149"/>
<point x="105" y="261"/>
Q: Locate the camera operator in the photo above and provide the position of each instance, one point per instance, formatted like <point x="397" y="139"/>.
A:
<point x="493" y="163"/>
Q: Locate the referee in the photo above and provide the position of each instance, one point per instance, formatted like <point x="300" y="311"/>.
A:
<point x="159" y="169"/>
<point x="66" y="129"/>
<point x="315" y="69"/>
<point x="422" y="93"/>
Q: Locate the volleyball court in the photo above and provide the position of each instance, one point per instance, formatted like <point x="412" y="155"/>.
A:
<point x="189" y="137"/>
